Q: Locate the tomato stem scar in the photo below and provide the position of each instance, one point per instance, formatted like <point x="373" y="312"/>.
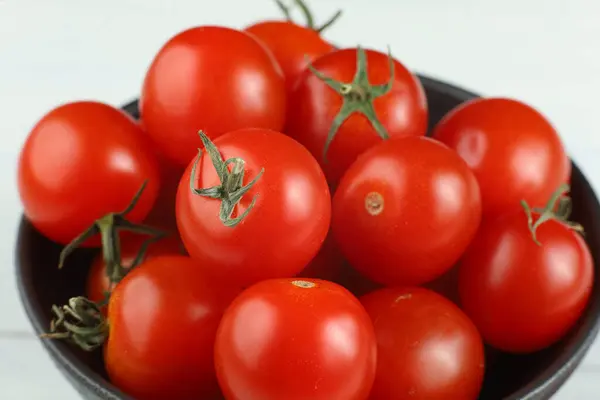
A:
<point x="303" y="284"/>
<point x="358" y="96"/>
<point x="558" y="208"/>
<point x="374" y="203"/>
<point x="310" y="21"/>
<point x="108" y="227"/>
<point x="80" y="322"/>
<point x="232" y="189"/>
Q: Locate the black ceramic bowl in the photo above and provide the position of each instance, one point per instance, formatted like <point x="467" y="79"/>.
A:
<point x="530" y="377"/>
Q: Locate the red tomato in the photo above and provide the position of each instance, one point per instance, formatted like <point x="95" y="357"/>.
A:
<point x="295" y="340"/>
<point x="327" y="264"/>
<point x="427" y="348"/>
<point x="288" y="210"/>
<point x="314" y="108"/>
<point x="214" y="79"/>
<point x="97" y="281"/>
<point x="163" y="320"/>
<point x="509" y="142"/>
<point x="80" y="162"/>
<point x="293" y="46"/>
<point x="405" y="211"/>
<point x="525" y="296"/>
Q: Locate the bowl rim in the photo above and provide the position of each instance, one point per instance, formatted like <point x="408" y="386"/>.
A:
<point x="546" y="383"/>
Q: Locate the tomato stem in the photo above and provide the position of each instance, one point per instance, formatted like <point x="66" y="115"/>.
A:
<point x="558" y="208"/>
<point x="108" y="227"/>
<point x="358" y="96"/>
<point x="308" y="16"/>
<point x="329" y="22"/>
<point x="232" y="189"/>
<point x="80" y="322"/>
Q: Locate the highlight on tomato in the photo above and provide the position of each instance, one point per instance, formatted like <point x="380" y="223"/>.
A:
<point x="71" y="162"/>
<point x="295" y="339"/>
<point x="253" y="205"/>
<point x="527" y="277"/>
<point x="351" y="99"/>
<point x="427" y="348"/>
<point x="159" y="331"/>
<point x="294" y="46"/>
<point x="405" y="211"/>
<point x="212" y="78"/>
<point x="514" y="151"/>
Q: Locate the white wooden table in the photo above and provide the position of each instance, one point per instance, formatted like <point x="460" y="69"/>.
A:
<point x="544" y="52"/>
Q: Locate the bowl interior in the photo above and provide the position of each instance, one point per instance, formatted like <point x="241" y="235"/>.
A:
<point x="533" y="376"/>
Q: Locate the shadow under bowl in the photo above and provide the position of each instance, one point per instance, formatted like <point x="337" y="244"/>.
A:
<point x="528" y="377"/>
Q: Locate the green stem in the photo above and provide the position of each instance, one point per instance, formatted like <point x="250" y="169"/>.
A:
<point x="308" y="15"/>
<point x="109" y="227"/>
<point x="232" y="189"/>
<point x="80" y="322"/>
<point x="358" y="96"/>
<point x="558" y="208"/>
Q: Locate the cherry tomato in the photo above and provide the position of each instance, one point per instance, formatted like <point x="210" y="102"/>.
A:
<point x="163" y="318"/>
<point x="80" y="162"/>
<point x="427" y="348"/>
<point x="285" y="215"/>
<point x="524" y="296"/>
<point x="293" y="46"/>
<point x="327" y="264"/>
<point x="295" y="340"/>
<point x="405" y="211"/>
<point x="214" y="79"/>
<point x="97" y="281"/>
<point x="315" y="109"/>
<point x="506" y="141"/>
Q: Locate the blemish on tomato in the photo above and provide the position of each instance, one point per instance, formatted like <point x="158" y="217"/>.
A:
<point x="374" y="203"/>
<point x="304" y="284"/>
<point x="407" y="296"/>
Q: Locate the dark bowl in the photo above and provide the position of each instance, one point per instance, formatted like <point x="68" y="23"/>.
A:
<point x="535" y="376"/>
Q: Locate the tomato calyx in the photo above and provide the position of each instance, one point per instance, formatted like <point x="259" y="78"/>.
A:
<point x="558" y="208"/>
<point x="232" y="189"/>
<point x="108" y="227"/>
<point x="80" y="322"/>
<point x="310" y="21"/>
<point x="358" y="96"/>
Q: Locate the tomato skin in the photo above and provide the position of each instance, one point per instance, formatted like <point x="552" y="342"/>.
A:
<point x="504" y="139"/>
<point x="83" y="160"/>
<point x="280" y="341"/>
<point x="524" y="297"/>
<point x="414" y="326"/>
<point x="97" y="281"/>
<point x="162" y="330"/>
<point x="313" y="107"/>
<point x="431" y="210"/>
<point x="213" y="79"/>
<point x="293" y="46"/>
<point x="287" y="225"/>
